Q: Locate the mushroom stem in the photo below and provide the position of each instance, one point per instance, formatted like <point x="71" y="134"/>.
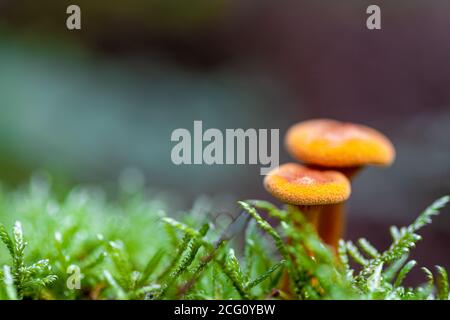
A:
<point x="331" y="226"/>
<point x="331" y="223"/>
<point x="312" y="214"/>
<point x="350" y="172"/>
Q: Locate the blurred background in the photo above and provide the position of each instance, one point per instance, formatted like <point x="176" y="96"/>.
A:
<point x="84" y="105"/>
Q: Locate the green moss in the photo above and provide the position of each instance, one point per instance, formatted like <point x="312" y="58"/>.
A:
<point x="131" y="249"/>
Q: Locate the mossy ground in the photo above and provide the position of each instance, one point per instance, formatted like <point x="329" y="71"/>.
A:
<point x="134" y="248"/>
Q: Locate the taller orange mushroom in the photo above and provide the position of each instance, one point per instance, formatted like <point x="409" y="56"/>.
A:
<point x="343" y="146"/>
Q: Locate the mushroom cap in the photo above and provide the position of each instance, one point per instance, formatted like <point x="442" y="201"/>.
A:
<point x="331" y="143"/>
<point x="297" y="184"/>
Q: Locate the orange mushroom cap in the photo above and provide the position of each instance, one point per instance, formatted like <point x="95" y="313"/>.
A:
<point x="331" y="143"/>
<point x="297" y="184"/>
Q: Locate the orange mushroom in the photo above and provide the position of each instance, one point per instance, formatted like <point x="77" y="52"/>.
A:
<point x="307" y="188"/>
<point x="342" y="146"/>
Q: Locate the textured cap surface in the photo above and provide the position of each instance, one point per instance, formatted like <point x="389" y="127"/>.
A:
<point x="332" y="143"/>
<point x="296" y="184"/>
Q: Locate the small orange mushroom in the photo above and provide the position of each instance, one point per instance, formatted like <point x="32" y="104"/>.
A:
<point x="342" y="146"/>
<point x="307" y="188"/>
